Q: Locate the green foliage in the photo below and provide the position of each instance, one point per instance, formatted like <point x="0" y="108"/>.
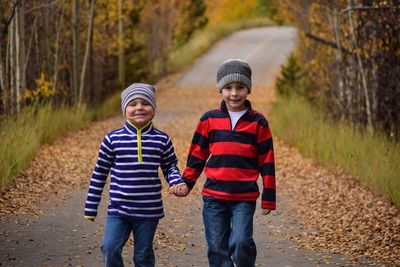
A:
<point x="265" y="8"/>
<point x="373" y="159"/>
<point x="290" y="80"/>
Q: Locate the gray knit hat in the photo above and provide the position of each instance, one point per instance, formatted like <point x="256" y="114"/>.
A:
<point x="138" y="90"/>
<point x="234" y="70"/>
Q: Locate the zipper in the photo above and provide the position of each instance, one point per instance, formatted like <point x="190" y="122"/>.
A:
<point x="139" y="145"/>
<point x="139" y="140"/>
<point x="230" y="121"/>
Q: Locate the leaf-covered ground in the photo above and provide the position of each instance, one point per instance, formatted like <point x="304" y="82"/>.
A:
<point x="332" y="211"/>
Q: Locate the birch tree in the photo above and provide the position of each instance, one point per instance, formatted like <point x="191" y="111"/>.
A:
<point x="87" y="50"/>
<point x="75" y="47"/>
<point x="121" y="52"/>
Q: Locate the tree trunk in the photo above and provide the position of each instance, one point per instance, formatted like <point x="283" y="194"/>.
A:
<point x="18" y="57"/>
<point x="28" y="51"/>
<point x="362" y="72"/>
<point x="12" y="65"/>
<point x="75" y="48"/>
<point x="48" y="41"/>
<point x="22" y="42"/>
<point x="121" y="54"/>
<point x="87" y="50"/>
<point x="57" y="51"/>
<point x="339" y="58"/>
<point x="3" y="81"/>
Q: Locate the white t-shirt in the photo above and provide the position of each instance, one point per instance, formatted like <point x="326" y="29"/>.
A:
<point x="235" y="116"/>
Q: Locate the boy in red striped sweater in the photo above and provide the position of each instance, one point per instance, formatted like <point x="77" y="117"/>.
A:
<point x="233" y="144"/>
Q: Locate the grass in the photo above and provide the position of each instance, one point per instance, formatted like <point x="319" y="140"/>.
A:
<point x="203" y="40"/>
<point x="373" y="159"/>
<point x="22" y="136"/>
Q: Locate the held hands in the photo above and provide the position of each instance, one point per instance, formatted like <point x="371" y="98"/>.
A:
<point x="265" y="211"/>
<point x="179" y="190"/>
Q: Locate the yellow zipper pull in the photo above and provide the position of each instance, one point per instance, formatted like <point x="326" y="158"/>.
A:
<point x="139" y="145"/>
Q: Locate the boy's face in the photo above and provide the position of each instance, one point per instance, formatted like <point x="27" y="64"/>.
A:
<point x="234" y="95"/>
<point x="139" y="112"/>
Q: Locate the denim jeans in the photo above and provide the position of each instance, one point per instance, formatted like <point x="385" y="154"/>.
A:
<point x="116" y="234"/>
<point x="229" y="232"/>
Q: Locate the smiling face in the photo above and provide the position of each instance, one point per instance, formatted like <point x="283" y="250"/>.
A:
<point x="139" y="112"/>
<point x="235" y="95"/>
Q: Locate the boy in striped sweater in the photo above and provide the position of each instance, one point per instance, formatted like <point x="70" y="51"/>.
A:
<point x="131" y="156"/>
<point x="233" y="144"/>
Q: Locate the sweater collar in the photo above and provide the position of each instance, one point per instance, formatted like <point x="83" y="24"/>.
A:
<point x="134" y="130"/>
<point x="225" y="110"/>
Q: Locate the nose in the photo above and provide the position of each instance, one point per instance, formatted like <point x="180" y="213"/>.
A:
<point x="140" y="106"/>
<point x="234" y="91"/>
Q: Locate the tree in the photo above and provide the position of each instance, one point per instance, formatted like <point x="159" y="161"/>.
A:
<point x="75" y="47"/>
<point x="121" y="49"/>
<point x="351" y="51"/>
<point x="87" y="51"/>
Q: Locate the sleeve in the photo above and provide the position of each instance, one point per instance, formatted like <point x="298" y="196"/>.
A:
<point x="266" y="164"/>
<point x="99" y="177"/>
<point x="169" y="166"/>
<point x="198" y="154"/>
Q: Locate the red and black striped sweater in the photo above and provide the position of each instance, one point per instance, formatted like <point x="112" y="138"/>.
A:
<point x="233" y="159"/>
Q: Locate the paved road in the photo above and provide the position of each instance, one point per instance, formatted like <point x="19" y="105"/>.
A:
<point x="263" y="48"/>
<point x="61" y="237"/>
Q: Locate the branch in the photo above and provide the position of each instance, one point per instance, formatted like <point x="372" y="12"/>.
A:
<point x="42" y="6"/>
<point x="326" y="42"/>
<point x="297" y="9"/>
<point x="87" y="51"/>
<point x="30" y="43"/>
<point x="369" y="8"/>
<point x="7" y="23"/>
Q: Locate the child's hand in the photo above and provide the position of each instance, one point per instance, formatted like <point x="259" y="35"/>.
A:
<point x="179" y="190"/>
<point x="265" y="211"/>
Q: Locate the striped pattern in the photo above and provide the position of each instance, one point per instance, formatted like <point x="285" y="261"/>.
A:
<point x="233" y="159"/>
<point x="132" y="158"/>
<point x="138" y="90"/>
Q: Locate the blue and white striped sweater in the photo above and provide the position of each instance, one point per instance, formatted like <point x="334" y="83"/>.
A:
<point x="132" y="158"/>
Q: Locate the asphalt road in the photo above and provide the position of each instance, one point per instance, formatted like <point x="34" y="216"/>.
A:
<point x="263" y="48"/>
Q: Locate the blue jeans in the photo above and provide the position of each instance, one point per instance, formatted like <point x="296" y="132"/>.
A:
<point x="116" y="234"/>
<point x="229" y="232"/>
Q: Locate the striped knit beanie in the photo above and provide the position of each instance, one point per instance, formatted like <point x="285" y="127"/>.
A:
<point x="138" y="90"/>
<point x="234" y="70"/>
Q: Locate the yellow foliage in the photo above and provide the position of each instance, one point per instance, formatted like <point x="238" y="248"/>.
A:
<point x="219" y="11"/>
<point x="44" y="89"/>
<point x="106" y="25"/>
